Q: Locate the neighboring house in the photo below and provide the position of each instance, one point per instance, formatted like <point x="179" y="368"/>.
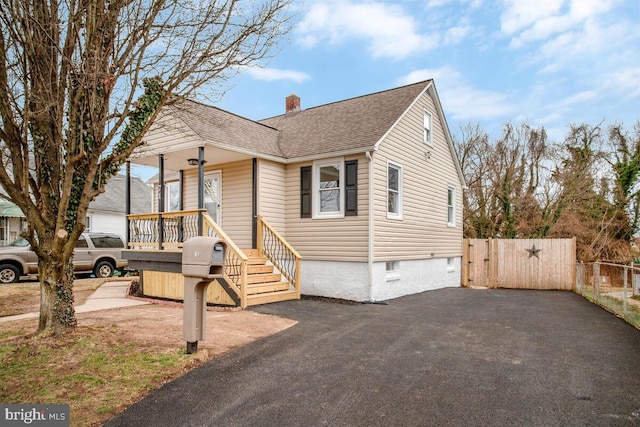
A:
<point x="11" y="222"/>
<point x="367" y="190"/>
<point x="107" y="213"/>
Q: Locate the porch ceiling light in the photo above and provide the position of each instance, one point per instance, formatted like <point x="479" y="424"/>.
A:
<point x="193" y="162"/>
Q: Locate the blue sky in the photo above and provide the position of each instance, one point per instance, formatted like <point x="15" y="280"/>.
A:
<point x="544" y="62"/>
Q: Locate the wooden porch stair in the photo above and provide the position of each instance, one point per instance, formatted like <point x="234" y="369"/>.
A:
<point x="264" y="283"/>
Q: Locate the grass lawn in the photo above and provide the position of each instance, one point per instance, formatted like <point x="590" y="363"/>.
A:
<point x="96" y="369"/>
<point x="114" y="357"/>
<point x="615" y="306"/>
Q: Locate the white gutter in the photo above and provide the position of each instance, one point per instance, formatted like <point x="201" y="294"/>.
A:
<point x="370" y="227"/>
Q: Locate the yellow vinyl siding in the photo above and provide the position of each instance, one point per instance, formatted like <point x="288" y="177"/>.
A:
<point x="271" y="194"/>
<point x="236" y="198"/>
<point x="168" y="134"/>
<point x="340" y="239"/>
<point x="427" y="172"/>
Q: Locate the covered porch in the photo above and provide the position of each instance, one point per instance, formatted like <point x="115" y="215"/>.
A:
<point x="203" y="189"/>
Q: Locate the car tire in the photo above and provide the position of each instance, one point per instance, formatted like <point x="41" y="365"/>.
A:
<point x="103" y="269"/>
<point x="9" y="273"/>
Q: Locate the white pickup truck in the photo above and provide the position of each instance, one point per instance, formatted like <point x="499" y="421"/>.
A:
<point x="100" y="253"/>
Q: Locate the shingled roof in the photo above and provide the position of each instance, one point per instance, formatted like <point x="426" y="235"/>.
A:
<point x="351" y="125"/>
<point x="348" y="126"/>
<point x="114" y="197"/>
<point x="225" y="129"/>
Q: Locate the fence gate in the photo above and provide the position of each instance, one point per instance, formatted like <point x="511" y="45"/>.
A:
<point x="520" y="263"/>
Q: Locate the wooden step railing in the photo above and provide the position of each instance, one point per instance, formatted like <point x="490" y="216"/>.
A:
<point x="235" y="273"/>
<point x="169" y="230"/>
<point x="276" y="249"/>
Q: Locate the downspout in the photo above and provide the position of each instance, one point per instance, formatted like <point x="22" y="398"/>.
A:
<point x="370" y="227"/>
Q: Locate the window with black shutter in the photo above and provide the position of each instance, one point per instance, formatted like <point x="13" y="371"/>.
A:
<point x="351" y="188"/>
<point x="305" y="192"/>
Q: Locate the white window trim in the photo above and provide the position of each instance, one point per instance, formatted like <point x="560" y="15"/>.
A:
<point x="392" y="275"/>
<point x="453" y="210"/>
<point x="315" y="196"/>
<point x="394" y="215"/>
<point x="427" y="125"/>
<point x="167" y="195"/>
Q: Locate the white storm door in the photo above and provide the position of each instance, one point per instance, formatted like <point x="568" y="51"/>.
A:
<point x="213" y="196"/>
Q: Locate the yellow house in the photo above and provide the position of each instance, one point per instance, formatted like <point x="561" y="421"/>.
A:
<point x="360" y="199"/>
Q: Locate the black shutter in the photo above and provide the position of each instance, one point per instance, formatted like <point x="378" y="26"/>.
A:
<point x="351" y="188"/>
<point x="305" y="192"/>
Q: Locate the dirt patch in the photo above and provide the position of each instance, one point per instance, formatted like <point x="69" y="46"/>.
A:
<point x="159" y="326"/>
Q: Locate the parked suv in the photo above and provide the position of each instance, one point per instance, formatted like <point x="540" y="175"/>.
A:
<point x="100" y="253"/>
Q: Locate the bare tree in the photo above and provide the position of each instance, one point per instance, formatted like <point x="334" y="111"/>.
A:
<point x="504" y="180"/>
<point x="624" y="146"/>
<point x="72" y="107"/>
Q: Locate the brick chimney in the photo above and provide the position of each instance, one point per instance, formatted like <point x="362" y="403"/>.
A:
<point x="292" y="105"/>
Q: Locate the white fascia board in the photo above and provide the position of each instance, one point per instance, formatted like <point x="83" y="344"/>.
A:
<point x="404" y="113"/>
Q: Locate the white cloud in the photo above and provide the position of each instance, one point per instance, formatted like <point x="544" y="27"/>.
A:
<point x="519" y="14"/>
<point x="274" y="74"/>
<point x="455" y="35"/>
<point x="439" y="3"/>
<point x="539" y="20"/>
<point x="462" y="100"/>
<point x="587" y="43"/>
<point x="624" y="82"/>
<point x="577" y="98"/>
<point x="388" y="29"/>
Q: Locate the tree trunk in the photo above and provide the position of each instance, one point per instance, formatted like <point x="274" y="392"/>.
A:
<point x="56" y="296"/>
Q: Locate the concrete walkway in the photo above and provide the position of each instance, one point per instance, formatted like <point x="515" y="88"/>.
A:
<point x="110" y="295"/>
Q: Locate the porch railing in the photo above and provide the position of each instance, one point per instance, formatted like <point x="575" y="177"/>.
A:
<point x="169" y="230"/>
<point x="162" y="229"/>
<point x="272" y="246"/>
<point x="236" y="261"/>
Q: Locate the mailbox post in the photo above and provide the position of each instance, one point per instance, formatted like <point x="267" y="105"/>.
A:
<point x="203" y="260"/>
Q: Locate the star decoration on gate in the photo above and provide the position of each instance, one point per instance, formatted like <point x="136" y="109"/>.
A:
<point x="533" y="251"/>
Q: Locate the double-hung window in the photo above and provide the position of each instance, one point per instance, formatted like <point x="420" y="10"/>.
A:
<point x="329" y="189"/>
<point x="428" y="137"/>
<point x="394" y="191"/>
<point x="451" y="207"/>
<point x="329" y="180"/>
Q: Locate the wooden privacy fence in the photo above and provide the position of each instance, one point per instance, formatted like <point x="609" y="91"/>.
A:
<point x="520" y="263"/>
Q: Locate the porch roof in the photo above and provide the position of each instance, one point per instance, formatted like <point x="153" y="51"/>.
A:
<point x="223" y="129"/>
<point x="11" y="210"/>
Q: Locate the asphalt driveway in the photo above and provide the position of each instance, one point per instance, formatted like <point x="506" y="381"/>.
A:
<point x="458" y="357"/>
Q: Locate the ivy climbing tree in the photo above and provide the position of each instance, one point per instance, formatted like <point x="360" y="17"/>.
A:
<point x="81" y="82"/>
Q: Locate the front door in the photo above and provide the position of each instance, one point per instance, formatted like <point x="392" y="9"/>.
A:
<point x="213" y="196"/>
